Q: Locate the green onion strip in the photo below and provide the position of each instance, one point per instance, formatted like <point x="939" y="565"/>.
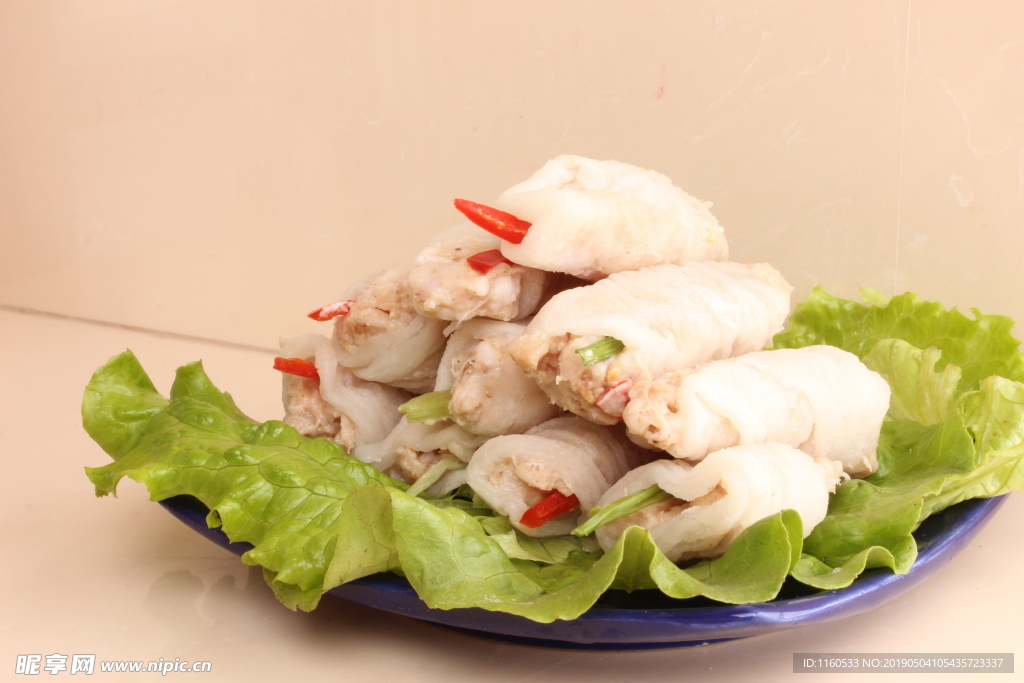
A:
<point x="601" y="350"/>
<point x="427" y="408"/>
<point x="434" y="473"/>
<point x="621" y="508"/>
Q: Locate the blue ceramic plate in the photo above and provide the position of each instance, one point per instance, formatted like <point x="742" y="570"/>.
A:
<point x="647" y="620"/>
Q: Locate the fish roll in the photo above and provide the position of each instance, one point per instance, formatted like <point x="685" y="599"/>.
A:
<point x="820" y="399"/>
<point x="412" y="448"/>
<point x="567" y="456"/>
<point x="663" y="319"/>
<point x="721" y="496"/>
<point x="384" y="339"/>
<point x="491" y="395"/>
<point x="338" y="406"/>
<point x="593" y="218"/>
<point x="452" y="280"/>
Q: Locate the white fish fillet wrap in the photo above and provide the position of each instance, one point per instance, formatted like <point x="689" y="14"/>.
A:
<point x="669" y="317"/>
<point x="491" y="395"/>
<point x="414" y="447"/>
<point x="820" y="399"/>
<point x="339" y="406"/>
<point x="593" y="218"/>
<point x="442" y="285"/>
<point x="573" y="456"/>
<point x="383" y="338"/>
<point x="721" y="496"/>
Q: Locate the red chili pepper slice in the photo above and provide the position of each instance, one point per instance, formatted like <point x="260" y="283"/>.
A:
<point x="498" y="223"/>
<point x="485" y="260"/>
<point x="332" y="310"/>
<point x="296" y="366"/>
<point x="553" y="505"/>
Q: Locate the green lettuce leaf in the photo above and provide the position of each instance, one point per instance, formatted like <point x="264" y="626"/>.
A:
<point x="953" y="432"/>
<point x="451" y="562"/>
<point x="976" y="452"/>
<point x="264" y="483"/>
<point x="519" y="546"/>
<point x="318" y="518"/>
<point x="980" y="347"/>
<point x="919" y="393"/>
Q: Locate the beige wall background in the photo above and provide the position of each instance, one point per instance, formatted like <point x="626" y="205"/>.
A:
<point x="221" y="168"/>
